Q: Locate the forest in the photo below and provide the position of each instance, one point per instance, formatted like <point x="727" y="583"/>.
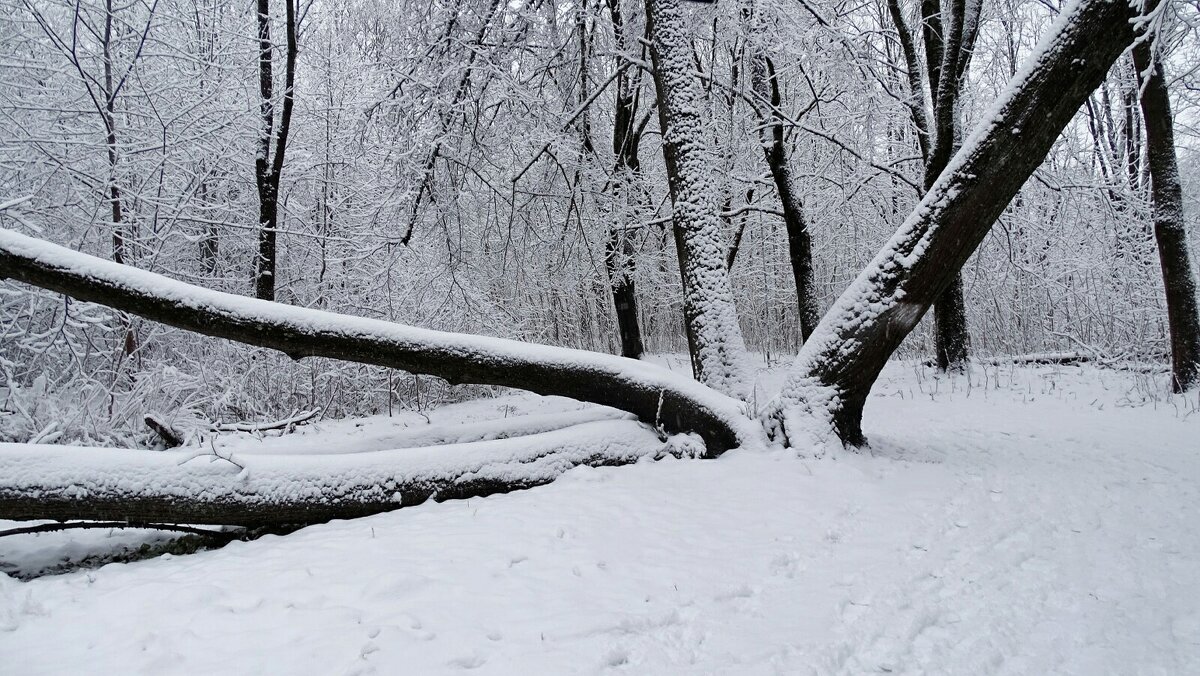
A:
<point x="272" y="269"/>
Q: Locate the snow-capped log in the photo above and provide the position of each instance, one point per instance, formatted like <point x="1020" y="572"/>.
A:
<point x="202" y="487"/>
<point x="836" y="368"/>
<point x="654" y="394"/>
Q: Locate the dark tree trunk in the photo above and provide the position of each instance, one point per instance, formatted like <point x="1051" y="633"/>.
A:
<point x="916" y="94"/>
<point x="618" y="248"/>
<point x="1170" y="229"/>
<point x="618" y="256"/>
<point x="268" y="166"/>
<point x="951" y="338"/>
<point x="766" y="87"/>
<point x="831" y="380"/>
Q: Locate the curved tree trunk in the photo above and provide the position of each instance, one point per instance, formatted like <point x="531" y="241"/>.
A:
<point x="654" y="394"/>
<point x="1170" y="229"/>
<point x="836" y="368"/>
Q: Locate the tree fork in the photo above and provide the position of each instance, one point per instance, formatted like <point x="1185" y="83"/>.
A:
<point x="836" y="368"/>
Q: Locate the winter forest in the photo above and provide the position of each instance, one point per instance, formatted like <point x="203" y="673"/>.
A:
<point x="641" y="336"/>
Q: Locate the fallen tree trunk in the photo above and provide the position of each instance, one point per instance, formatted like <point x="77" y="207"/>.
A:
<point x="105" y="484"/>
<point x="836" y="368"/>
<point x="654" y="394"/>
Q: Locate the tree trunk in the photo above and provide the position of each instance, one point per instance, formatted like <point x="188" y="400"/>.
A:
<point x="766" y="87"/>
<point x="268" y="166"/>
<point x="618" y="248"/>
<point x="949" y="58"/>
<point x="654" y="394"/>
<point x="714" y="335"/>
<point x="1170" y="229"/>
<point x="836" y="368"/>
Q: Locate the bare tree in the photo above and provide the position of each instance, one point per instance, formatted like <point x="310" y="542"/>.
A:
<point x="268" y="164"/>
<point x="626" y="140"/>
<point x="949" y="31"/>
<point x="765" y="83"/>
<point x="836" y="368"/>
<point x="1170" y="229"/>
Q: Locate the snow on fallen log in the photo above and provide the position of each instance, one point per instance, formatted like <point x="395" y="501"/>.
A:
<point x="424" y="435"/>
<point x="59" y="482"/>
<point x="654" y="394"/>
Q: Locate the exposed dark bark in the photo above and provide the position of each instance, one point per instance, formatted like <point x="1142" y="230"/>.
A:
<point x="916" y="93"/>
<point x="170" y="438"/>
<point x="268" y="165"/>
<point x="923" y="257"/>
<point x="618" y="248"/>
<point x="110" y="525"/>
<point x="655" y="395"/>
<point x="949" y="43"/>
<point x="1170" y="229"/>
<point x="766" y="86"/>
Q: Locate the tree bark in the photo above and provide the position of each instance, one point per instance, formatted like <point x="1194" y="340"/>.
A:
<point x="766" y="87"/>
<point x="836" y="368"/>
<point x="1170" y="229"/>
<point x="654" y="394"/>
<point x="952" y="46"/>
<point x="618" y="248"/>
<point x="268" y="166"/>
<point x="714" y="336"/>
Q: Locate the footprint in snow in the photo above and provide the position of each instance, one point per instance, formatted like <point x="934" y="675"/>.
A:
<point x="468" y="662"/>
<point x="616" y="658"/>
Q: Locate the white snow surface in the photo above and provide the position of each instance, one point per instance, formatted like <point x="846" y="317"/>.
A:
<point x="1019" y="520"/>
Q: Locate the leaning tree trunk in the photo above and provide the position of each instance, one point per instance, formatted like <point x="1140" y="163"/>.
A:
<point x="1170" y="229"/>
<point x="836" y="368"/>
<point x="654" y="394"/>
<point x="714" y="336"/>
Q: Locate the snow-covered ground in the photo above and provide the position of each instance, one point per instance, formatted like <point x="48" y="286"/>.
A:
<point x="1029" y="520"/>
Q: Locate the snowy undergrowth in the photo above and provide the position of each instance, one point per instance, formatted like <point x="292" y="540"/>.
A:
<point x="1019" y="520"/>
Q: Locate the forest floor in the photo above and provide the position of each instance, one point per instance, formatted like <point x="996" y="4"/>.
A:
<point x="1022" y="520"/>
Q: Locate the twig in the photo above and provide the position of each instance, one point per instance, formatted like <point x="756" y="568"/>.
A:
<point x="298" y="419"/>
<point x="52" y="527"/>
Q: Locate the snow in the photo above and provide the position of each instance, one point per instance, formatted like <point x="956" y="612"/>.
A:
<point x="220" y="475"/>
<point x="1018" y="520"/>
